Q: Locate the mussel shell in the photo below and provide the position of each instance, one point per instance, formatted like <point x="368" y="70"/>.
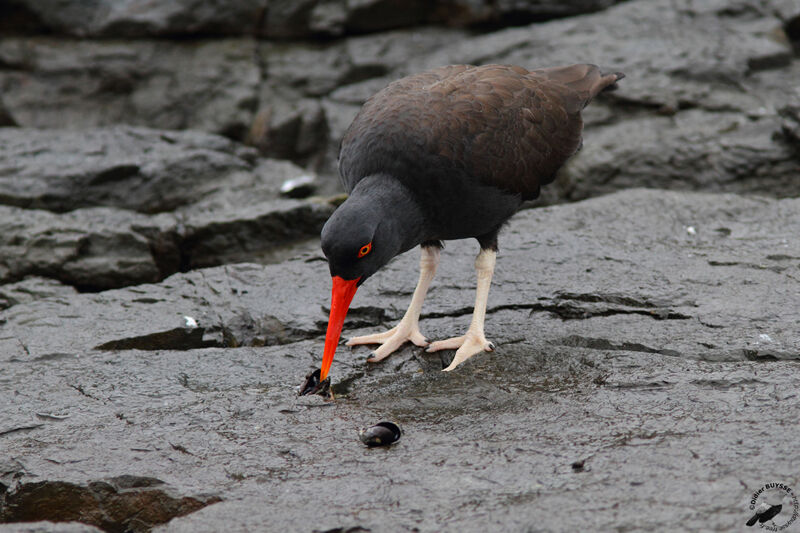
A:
<point x="381" y="434"/>
<point x="312" y="385"/>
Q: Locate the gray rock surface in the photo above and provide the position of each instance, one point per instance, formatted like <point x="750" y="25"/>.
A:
<point x="5" y="116"/>
<point x="32" y="288"/>
<point x="685" y="95"/>
<point x="268" y="18"/>
<point x="161" y="301"/>
<point x="641" y="336"/>
<point x="295" y="99"/>
<point x="173" y="201"/>
<point x="131" y="18"/>
<point x="50" y="527"/>
<point x="101" y="248"/>
<point x="140" y="169"/>
<point x="199" y="84"/>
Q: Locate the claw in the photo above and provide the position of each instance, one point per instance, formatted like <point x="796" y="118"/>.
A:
<point x="467" y="346"/>
<point x="391" y="340"/>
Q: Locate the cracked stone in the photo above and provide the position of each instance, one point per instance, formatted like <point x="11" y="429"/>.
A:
<point x="224" y="203"/>
<point x="636" y="395"/>
<point x="123" y="503"/>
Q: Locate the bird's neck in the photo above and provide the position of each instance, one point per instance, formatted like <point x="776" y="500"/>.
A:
<point x="391" y="205"/>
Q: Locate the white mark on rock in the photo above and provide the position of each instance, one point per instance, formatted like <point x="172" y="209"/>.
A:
<point x="190" y="322"/>
<point x="298" y="187"/>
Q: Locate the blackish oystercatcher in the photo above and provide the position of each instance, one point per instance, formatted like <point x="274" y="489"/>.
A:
<point x="450" y="153"/>
<point x="765" y="513"/>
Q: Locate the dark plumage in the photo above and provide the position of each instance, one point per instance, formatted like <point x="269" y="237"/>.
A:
<point x="766" y="513"/>
<point x="446" y="154"/>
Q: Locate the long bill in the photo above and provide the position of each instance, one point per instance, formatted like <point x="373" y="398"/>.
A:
<point x="341" y="296"/>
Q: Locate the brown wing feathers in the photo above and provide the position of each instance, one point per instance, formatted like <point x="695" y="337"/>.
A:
<point x="506" y="126"/>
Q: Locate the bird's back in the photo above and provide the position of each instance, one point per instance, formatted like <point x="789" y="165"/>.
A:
<point x="494" y="125"/>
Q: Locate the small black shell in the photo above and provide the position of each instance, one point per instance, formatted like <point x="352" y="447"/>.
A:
<point x="312" y="385"/>
<point x="381" y="434"/>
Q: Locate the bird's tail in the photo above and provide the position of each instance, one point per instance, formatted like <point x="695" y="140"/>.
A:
<point x="584" y="79"/>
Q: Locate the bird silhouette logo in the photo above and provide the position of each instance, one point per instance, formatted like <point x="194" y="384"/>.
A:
<point x="764" y="513"/>
<point x="774" y="507"/>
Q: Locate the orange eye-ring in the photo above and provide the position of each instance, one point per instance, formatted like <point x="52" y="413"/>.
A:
<point x="367" y="248"/>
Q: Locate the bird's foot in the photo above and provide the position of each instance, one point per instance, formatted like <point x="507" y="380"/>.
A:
<point x="391" y="340"/>
<point x="466" y="346"/>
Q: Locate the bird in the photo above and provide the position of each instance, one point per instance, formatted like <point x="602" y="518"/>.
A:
<point x="764" y="513"/>
<point x="448" y="153"/>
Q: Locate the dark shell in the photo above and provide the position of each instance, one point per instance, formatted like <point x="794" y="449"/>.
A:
<point x="381" y="434"/>
<point x="312" y="385"/>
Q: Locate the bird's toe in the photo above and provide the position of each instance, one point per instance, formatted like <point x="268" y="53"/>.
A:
<point x="468" y="345"/>
<point x="374" y="338"/>
<point x="447" y="344"/>
<point x="391" y="340"/>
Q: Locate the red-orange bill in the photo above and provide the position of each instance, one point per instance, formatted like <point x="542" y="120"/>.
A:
<point x="341" y="296"/>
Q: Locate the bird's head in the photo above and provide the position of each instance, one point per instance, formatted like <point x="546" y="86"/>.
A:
<point x="358" y="241"/>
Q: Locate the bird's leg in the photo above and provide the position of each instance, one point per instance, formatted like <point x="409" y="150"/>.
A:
<point x="408" y="328"/>
<point x="473" y="341"/>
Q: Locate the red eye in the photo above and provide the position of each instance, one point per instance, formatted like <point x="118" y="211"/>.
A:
<point x="367" y="248"/>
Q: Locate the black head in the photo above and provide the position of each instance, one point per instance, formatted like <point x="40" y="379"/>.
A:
<point x="378" y="221"/>
<point x="358" y="240"/>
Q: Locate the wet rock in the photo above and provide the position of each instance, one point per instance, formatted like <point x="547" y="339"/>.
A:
<point x="209" y="85"/>
<point x="138" y="18"/>
<point x="791" y="28"/>
<point x="340" y="17"/>
<point x="288" y="128"/>
<point x="644" y="333"/>
<point x="102" y="248"/>
<point x="10" y="471"/>
<point x="295" y="100"/>
<point x="687" y="96"/>
<point x="687" y="74"/>
<point x="612" y="324"/>
<point x="223" y="301"/>
<point x="50" y="527"/>
<point x="317" y="69"/>
<point x="246" y="218"/>
<point x="791" y="124"/>
<point x="265" y="308"/>
<point x="5" y="116"/>
<point x="273" y="19"/>
<point x="134" y="168"/>
<point x="32" y="288"/>
<point x="124" y="503"/>
<point x="295" y="121"/>
<point x="225" y="204"/>
<point x="692" y="150"/>
<point x="512" y="12"/>
<point x="95" y="248"/>
<point x="244" y="233"/>
<point x="683" y="101"/>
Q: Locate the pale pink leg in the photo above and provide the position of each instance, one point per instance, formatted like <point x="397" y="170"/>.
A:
<point x="473" y="341"/>
<point x="408" y="328"/>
